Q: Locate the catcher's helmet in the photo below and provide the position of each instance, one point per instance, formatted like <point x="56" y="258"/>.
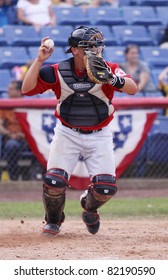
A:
<point x="85" y="37"/>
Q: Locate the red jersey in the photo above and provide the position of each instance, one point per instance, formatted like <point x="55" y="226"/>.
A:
<point x="104" y="92"/>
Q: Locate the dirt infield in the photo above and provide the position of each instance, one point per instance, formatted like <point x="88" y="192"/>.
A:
<point x="117" y="239"/>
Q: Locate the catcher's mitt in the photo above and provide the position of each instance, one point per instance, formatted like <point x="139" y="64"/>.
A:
<point x="97" y="69"/>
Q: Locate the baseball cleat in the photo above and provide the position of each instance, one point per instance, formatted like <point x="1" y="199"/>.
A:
<point x="51" y="228"/>
<point x="92" y="221"/>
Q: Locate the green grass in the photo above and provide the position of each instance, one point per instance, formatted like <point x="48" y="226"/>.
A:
<point x="116" y="208"/>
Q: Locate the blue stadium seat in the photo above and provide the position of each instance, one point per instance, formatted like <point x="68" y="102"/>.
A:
<point x="5" y="78"/>
<point x="12" y="56"/>
<point x="114" y="54"/>
<point x="57" y="56"/>
<point x="124" y="3"/>
<point x="3" y="41"/>
<point x="153" y="3"/>
<point x="48" y="94"/>
<point x="122" y="94"/>
<point x="70" y="16"/>
<point x="160" y="125"/>
<point x="31" y="97"/>
<point x="59" y="34"/>
<point x="137" y="95"/>
<point x="153" y="94"/>
<point x="11" y="14"/>
<point x="118" y="94"/>
<point x="106" y="15"/>
<point x="32" y="52"/>
<point x="135" y="2"/>
<point x="135" y="34"/>
<point x="156" y="32"/>
<point x="155" y="56"/>
<point x="162" y="13"/>
<point x="4" y="94"/>
<point x="110" y="39"/>
<point x="21" y="35"/>
<point x="141" y="15"/>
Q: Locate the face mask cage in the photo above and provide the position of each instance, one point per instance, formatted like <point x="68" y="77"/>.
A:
<point x="90" y="38"/>
<point x="95" y="40"/>
<point x="91" y="44"/>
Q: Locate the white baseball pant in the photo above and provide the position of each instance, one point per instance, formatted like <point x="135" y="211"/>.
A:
<point x="96" y="149"/>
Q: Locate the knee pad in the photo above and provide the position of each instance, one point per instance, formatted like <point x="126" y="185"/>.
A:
<point x="55" y="180"/>
<point x="103" y="187"/>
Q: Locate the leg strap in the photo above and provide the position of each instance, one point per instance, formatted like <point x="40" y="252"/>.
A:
<point x="103" y="187"/>
<point x="54" y="187"/>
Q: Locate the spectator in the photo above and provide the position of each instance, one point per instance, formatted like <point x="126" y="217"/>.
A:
<point x="10" y="2"/>
<point x="18" y="72"/>
<point x="163" y="84"/>
<point x="84" y="4"/>
<point x="81" y="2"/>
<point x="11" y="11"/>
<point x="137" y="69"/>
<point x="114" y="3"/>
<point x="63" y="3"/>
<point x="13" y="137"/>
<point x="55" y="2"/>
<point x="163" y="81"/>
<point x="1" y="3"/>
<point x="3" y="16"/>
<point x="7" y="3"/>
<point x="38" y="13"/>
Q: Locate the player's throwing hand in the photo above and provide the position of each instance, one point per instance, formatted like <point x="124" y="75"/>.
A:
<point x="44" y="51"/>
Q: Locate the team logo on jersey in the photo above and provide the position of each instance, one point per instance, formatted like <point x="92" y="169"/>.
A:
<point x="81" y="86"/>
<point x="48" y="125"/>
<point x="119" y="72"/>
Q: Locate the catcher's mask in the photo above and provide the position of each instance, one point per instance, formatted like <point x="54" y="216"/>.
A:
<point x="86" y="37"/>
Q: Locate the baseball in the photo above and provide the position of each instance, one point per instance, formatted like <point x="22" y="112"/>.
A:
<point x="49" y="43"/>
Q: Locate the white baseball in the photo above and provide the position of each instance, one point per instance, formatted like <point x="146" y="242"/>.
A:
<point x="49" y="43"/>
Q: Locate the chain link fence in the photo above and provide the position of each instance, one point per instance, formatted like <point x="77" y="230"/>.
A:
<point x="17" y="162"/>
<point x="152" y="160"/>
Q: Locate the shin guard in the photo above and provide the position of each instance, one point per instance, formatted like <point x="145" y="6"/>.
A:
<point x="54" y="187"/>
<point x="103" y="187"/>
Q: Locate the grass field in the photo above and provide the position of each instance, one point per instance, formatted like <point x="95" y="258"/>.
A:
<point x="116" y="208"/>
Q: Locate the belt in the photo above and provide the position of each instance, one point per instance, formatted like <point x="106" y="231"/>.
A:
<point x="82" y="131"/>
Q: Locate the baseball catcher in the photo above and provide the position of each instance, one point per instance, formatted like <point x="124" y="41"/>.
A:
<point x="84" y="85"/>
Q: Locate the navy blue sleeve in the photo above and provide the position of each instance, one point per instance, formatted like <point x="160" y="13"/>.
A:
<point x="47" y="74"/>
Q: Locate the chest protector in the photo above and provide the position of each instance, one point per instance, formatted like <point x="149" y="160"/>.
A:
<point x="78" y="106"/>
